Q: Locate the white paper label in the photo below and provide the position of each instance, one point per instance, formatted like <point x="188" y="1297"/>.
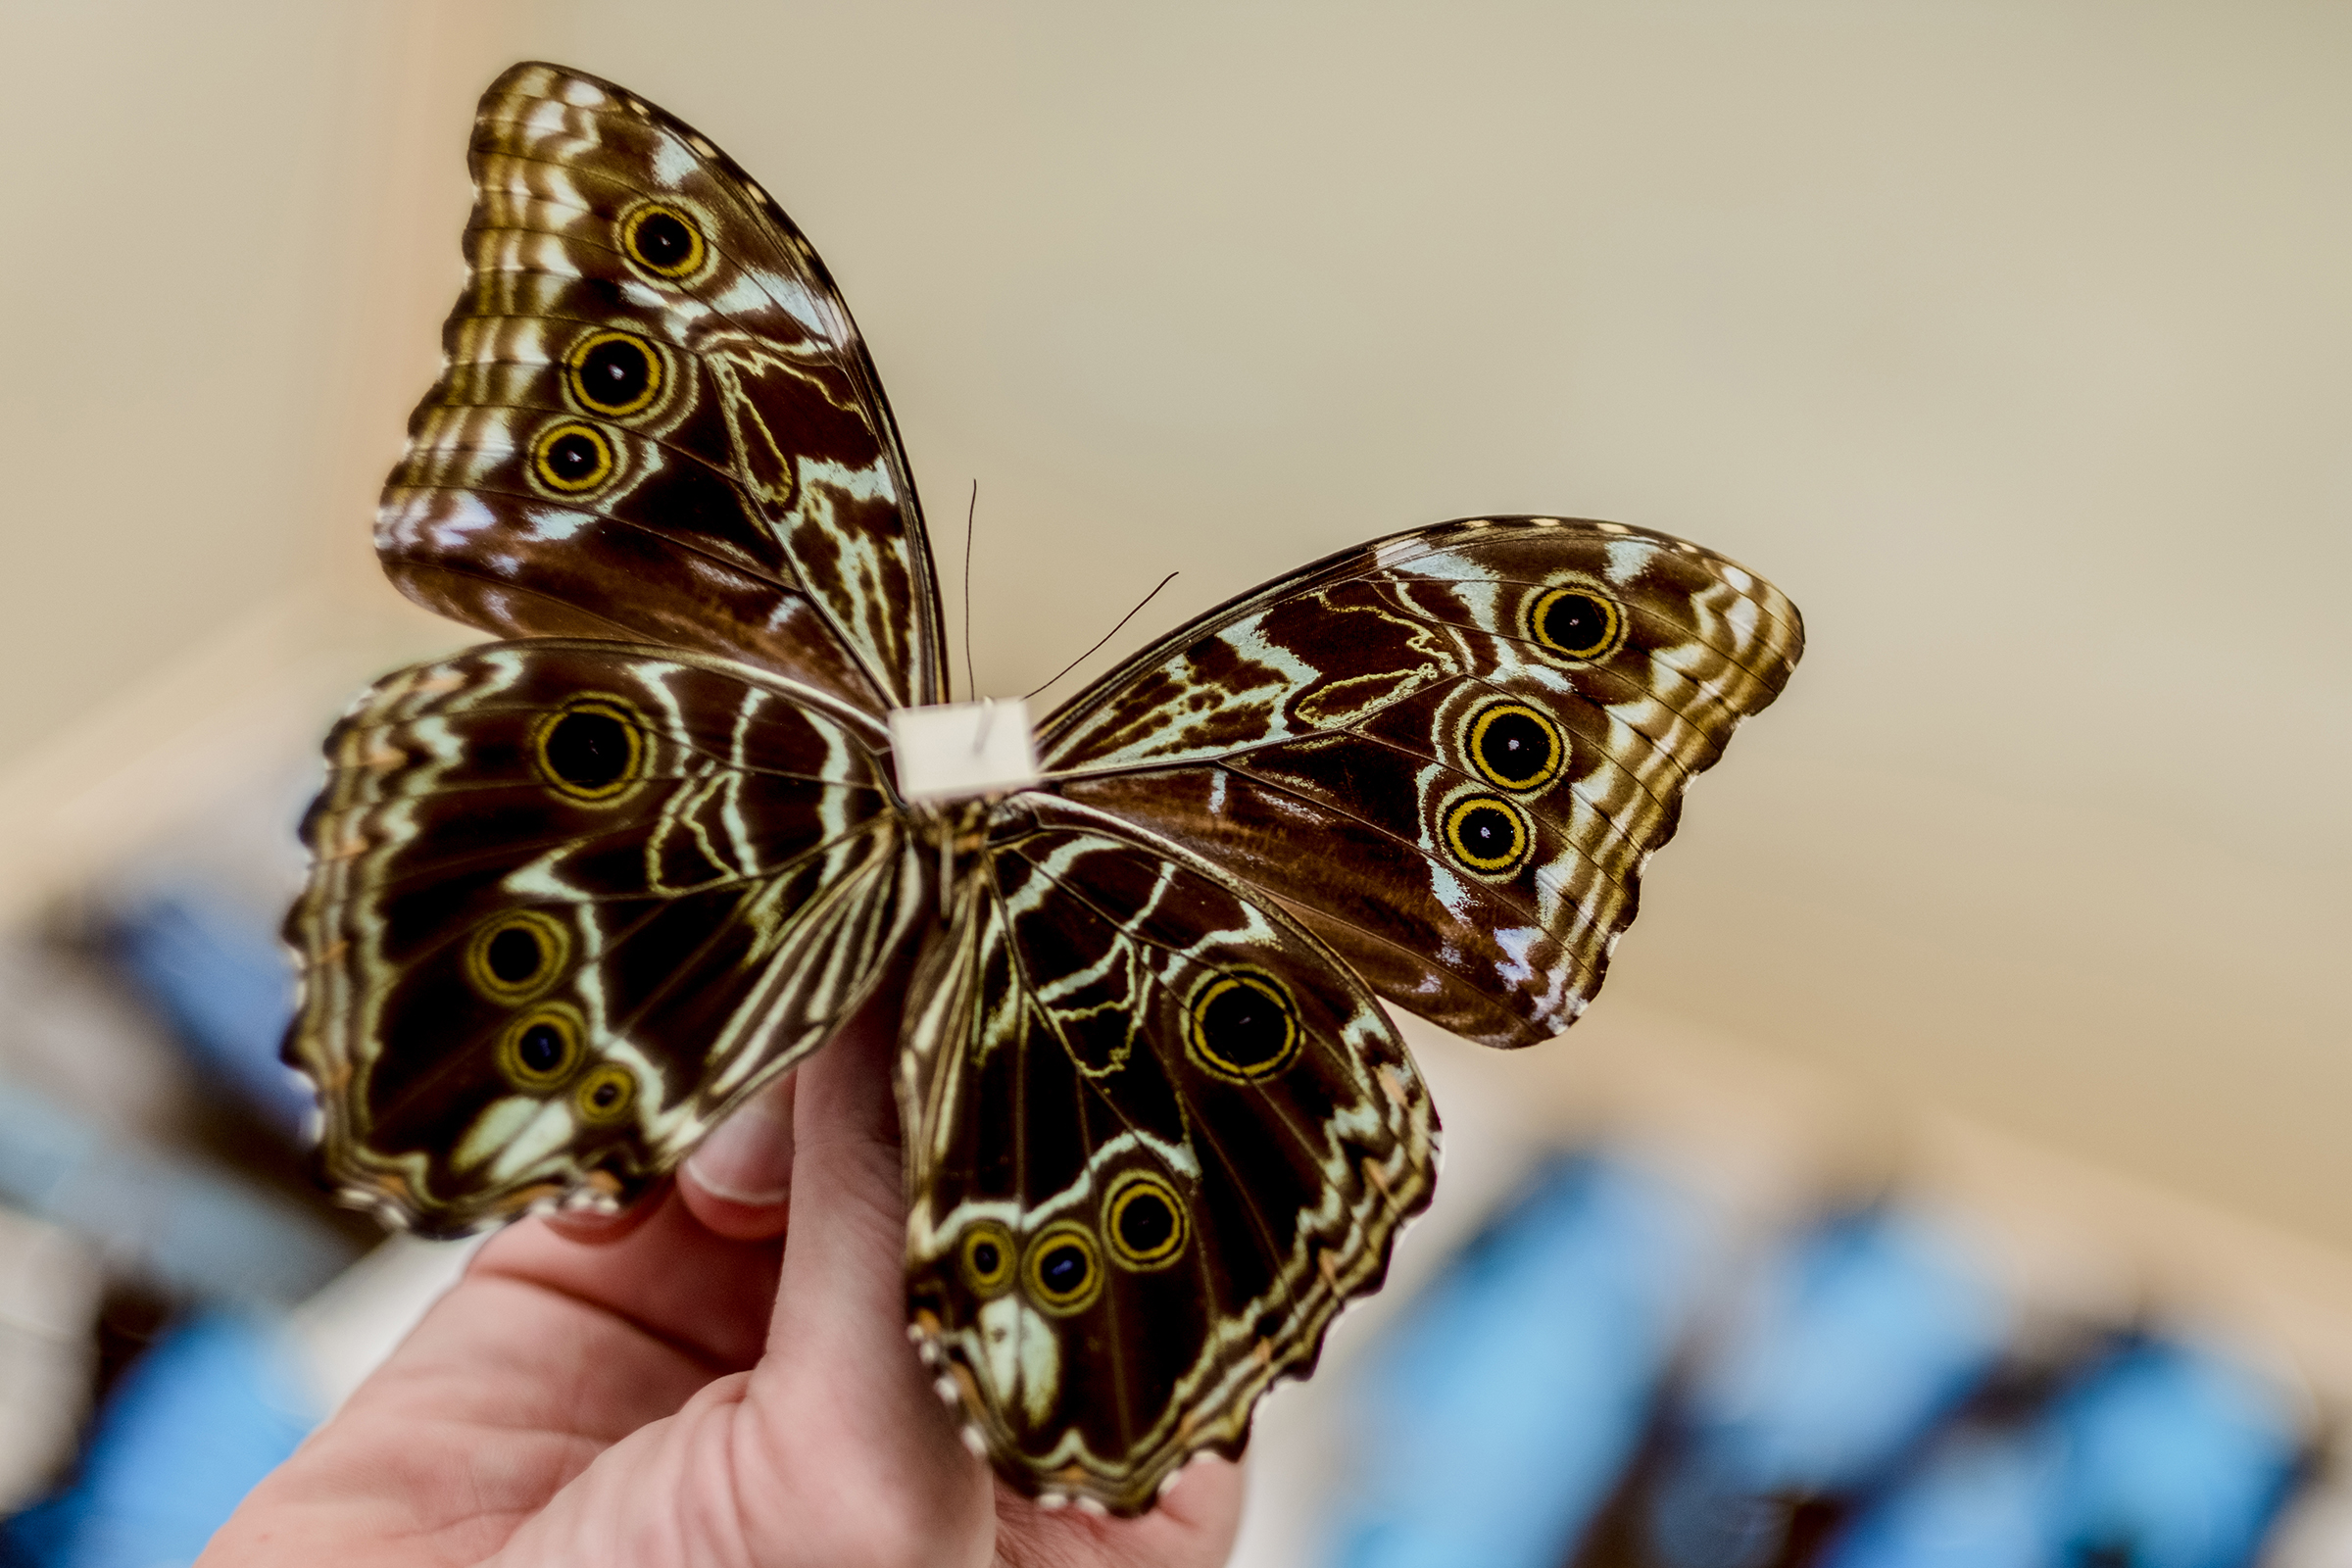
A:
<point x="954" y="751"/>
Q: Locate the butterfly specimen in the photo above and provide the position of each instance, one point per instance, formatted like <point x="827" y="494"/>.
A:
<point x="576" y="894"/>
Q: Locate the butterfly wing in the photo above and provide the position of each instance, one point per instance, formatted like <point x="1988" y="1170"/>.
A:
<point x="1157" y="1136"/>
<point x="655" y="420"/>
<point x="571" y="902"/>
<point x="1448" y="752"/>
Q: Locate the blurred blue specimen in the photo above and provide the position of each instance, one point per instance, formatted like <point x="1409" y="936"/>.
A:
<point x="190" y="1229"/>
<point x="219" y="978"/>
<point x="1852" y="1344"/>
<point x="1981" y="1500"/>
<point x="1501" y="1414"/>
<point x="2161" y="1457"/>
<point x="206" y="1413"/>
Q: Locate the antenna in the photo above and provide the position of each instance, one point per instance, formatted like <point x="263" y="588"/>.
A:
<point x="971" y="514"/>
<point x="1106" y="636"/>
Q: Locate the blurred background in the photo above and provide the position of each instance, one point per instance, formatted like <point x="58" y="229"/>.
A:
<point x="1955" y="1163"/>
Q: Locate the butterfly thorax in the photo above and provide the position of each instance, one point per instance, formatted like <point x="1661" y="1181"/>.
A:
<point x="957" y="833"/>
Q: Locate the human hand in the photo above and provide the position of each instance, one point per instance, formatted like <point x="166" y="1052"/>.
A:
<point x="720" y="1376"/>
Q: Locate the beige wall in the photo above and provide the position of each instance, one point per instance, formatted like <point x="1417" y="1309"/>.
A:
<point x="2011" y="339"/>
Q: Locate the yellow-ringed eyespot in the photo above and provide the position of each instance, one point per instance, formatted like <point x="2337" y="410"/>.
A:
<point x="1577" y="622"/>
<point x="615" y="373"/>
<point x="1062" y="1270"/>
<point x="985" y="1257"/>
<point x="573" y="458"/>
<point x="540" y="1049"/>
<point x="1144" y="1220"/>
<point x="1243" y="1026"/>
<point x="606" y="1094"/>
<point x="1515" y="746"/>
<point x="591" y="750"/>
<point x="1487" y="834"/>
<point x="514" y="955"/>
<point x="666" y="240"/>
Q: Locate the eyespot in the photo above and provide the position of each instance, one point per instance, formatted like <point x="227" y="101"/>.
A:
<point x="1487" y="833"/>
<point x="1241" y="1026"/>
<point x="573" y="458"/>
<point x="606" y="1094"/>
<point x="592" y="750"/>
<point x="986" y="1256"/>
<point x="514" y="955"/>
<point x="1515" y="746"/>
<point x="540" y="1049"/>
<point x="1144" y="1220"/>
<point x="1063" y="1272"/>
<point x="1578" y="622"/>
<point x="616" y="373"/>
<point x="664" y="240"/>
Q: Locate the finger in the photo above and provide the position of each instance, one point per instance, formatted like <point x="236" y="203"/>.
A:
<point x="1193" y="1526"/>
<point x="849" y="1213"/>
<point x="667" y="1277"/>
<point x="739" y="1181"/>
<point x="838" y="1344"/>
<point x="591" y="1229"/>
<point x="1197" y="1517"/>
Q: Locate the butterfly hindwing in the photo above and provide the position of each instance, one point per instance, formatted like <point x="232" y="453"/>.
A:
<point x="1157" y="1136"/>
<point x="571" y="902"/>
<point x="656" y="419"/>
<point x="1484" y="729"/>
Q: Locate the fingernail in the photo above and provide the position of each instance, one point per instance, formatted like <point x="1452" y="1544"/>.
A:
<point x="748" y="1157"/>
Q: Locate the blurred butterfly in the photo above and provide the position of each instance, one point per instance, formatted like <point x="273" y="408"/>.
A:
<point x="577" y="894"/>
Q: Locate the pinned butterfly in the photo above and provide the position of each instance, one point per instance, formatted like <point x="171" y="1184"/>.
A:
<point x="578" y="892"/>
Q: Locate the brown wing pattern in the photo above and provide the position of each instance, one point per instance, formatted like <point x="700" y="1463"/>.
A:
<point x="574" y="896"/>
<point x="1157" y="1136"/>
<point x="655" y="420"/>
<point x="571" y="901"/>
<point x="1448" y="752"/>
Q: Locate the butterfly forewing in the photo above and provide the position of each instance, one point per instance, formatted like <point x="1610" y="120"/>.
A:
<point x="573" y="900"/>
<point x="1484" y="728"/>
<point x="1157" y="1136"/>
<point x="656" y="419"/>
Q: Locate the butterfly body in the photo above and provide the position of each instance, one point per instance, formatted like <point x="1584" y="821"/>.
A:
<point x="578" y="892"/>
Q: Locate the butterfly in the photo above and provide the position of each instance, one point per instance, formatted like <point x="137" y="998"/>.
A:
<point x="577" y="892"/>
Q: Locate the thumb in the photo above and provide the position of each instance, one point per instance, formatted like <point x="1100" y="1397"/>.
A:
<point x="842" y="1266"/>
<point x="841" y="1393"/>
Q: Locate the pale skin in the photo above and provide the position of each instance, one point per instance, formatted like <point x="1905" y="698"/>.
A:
<point x="705" y="1381"/>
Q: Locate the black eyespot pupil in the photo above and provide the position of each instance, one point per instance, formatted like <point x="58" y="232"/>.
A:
<point x="1062" y="1270"/>
<point x="573" y="457"/>
<point x="662" y="241"/>
<point x="515" y="955"/>
<point x="1578" y="622"/>
<point x="1514" y="746"/>
<point x="1146" y="1222"/>
<point x="1488" y="831"/>
<point x="541" y="1048"/>
<point x="604" y="1095"/>
<point x="615" y="372"/>
<point x="1244" y="1026"/>
<point x="986" y="1257"/>
<point x="588" y="751"/>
